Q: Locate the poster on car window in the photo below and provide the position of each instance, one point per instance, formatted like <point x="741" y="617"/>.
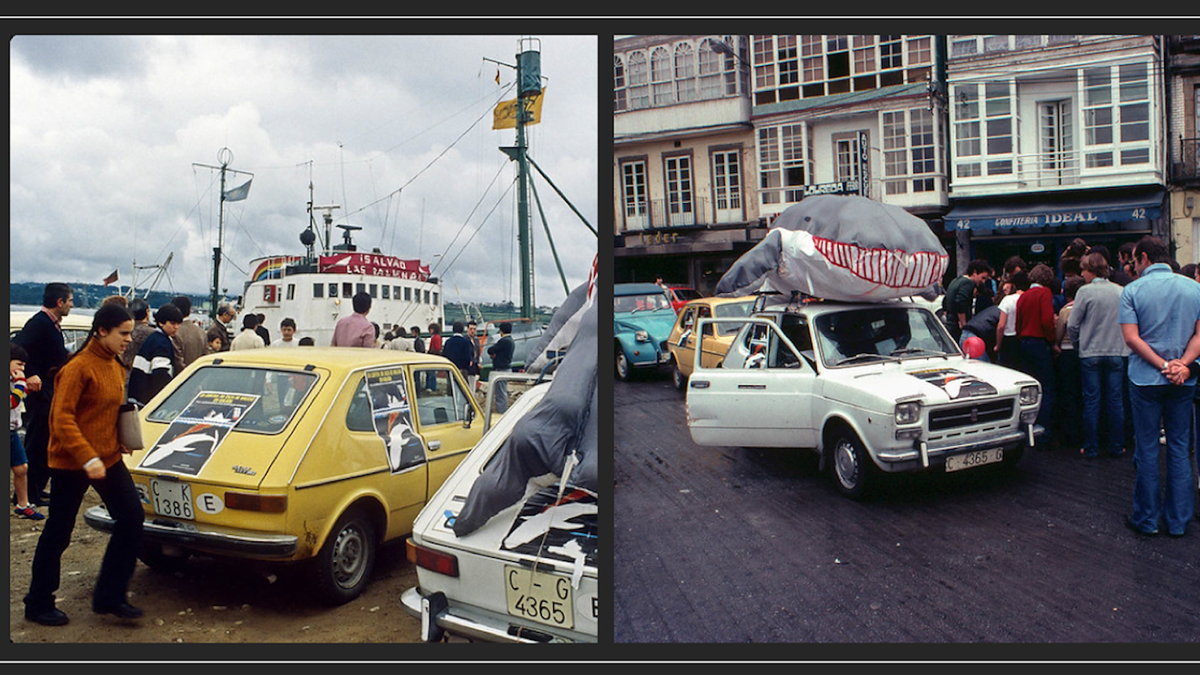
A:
<point x="393" y="418"/>
<point x="193" y="437"/>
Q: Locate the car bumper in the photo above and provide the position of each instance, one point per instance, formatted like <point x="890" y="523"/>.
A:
<point x="236" y="543"/>
<point x="438" y="617"/>
<point x="920" y="457"/>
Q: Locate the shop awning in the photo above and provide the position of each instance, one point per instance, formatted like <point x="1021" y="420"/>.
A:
<point x="998" y="215"/>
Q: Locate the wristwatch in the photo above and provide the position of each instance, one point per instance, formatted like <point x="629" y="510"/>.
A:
<point x="1165" y="364"/>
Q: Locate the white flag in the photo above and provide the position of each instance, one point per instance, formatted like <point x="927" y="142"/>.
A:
<point x="238" y="193"/>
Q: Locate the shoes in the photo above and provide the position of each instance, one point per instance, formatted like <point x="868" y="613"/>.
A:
<point x="1129" y="524"/>
<point x="49" y="617"/>
<point x="42" y="499"/>
<point x="1088" y="455"/>
<point x="1174" y="534"/>
<point x="29" y="512"/>
<point x="121" y="610"/>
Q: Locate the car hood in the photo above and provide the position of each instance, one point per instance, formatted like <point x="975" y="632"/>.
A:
<point x="939" y="380"/>
<point x="658" y="323"/>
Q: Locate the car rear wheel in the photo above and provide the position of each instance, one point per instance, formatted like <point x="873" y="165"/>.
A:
<point x="854" y="472"/>
<point x="160" y="560"/>
<point x="623" y="369"/>
<point x="343" y="567"/>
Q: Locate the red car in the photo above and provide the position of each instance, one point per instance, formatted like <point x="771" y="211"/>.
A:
<point x="680" y="295"/>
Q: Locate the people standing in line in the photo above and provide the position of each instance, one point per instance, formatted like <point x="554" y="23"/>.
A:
<point x="155" y="365"/>
<point x="249" y="337"/>
<point x="473" y="369"/>
<point x="85" y="452"/>
<point x="1160" y="320"/>
<point x="1008" y="345"/>
<point x="418" y="343"/>
<point x="220" y="326"/>
<point x="959" y="301"/>
<point x="1096" y="334"/>
<point x="1116" y="274"/>
<point x="434" y="347"/>
<point x="42" y="339"/>
<point x="17" y="461"/>
<point x="306" y="341"/>
<point x="1037" y="335"/>
<point x="189" y="340"/>
<point x="399" y="341"/>
<point x="287" y="333"/>
<point x="140" y="310"/>
<point x="1125" y="262"/>
<point x="457" y="349"/>
<point x="355" y="330"/>
<point x="261" y="328"/>
<point x="1067" y="374"/>
<point x="502" y="353"/>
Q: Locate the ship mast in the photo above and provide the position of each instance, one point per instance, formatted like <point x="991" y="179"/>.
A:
<point x="225" y="157"/>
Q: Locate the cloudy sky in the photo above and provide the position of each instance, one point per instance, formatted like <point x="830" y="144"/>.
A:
<point x="111" y="140"/>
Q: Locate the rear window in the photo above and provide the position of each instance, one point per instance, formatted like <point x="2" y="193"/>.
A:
<point x="687" y="293"/>
<point x="276" y="395"/>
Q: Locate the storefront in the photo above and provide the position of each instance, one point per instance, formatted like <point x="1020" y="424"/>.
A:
<point x="1039" y="227"/>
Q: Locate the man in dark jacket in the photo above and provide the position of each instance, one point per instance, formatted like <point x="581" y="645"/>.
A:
<point x="42" y="339"/>
<point x="501" y="354"/>
<point x="458" y="349"/>
<point x="154" y="365"/>
<point x="959" y="302"/>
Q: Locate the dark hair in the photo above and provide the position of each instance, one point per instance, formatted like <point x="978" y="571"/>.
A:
<point x="184" y="303"/>
<point x="107" y="317"/>
<point x="1042" y="274"/>
<point x="1070" y="266"/>
<point x="457" y="327"/>
<point x="139" y="309"/>
<point x="435" y="328"/>
<point x="1126" y="248"/>
<point x="1013" y="263"/>
<point x="415" y="329"/>
<point x="1102" y="250"/>
<point x="288" y="322"/>
<point x="1188" y="270"/>
<point x="376" y="326"/>
<point x="505" y="327"/>
<point x="168" y="313"/>
<point x="1020" y="281"/>
<point x="307" y="342"/>
<point x="225" y="309"/>
<point x="16" y="352"/>
<point x="1071" y="285"/>
<point x="978" y="265"/>
<point x="1075" y="249"/>
<point x="55" y="291"/>
<point x="1153" y="247"/>
<point x="362" y="302"/>
<point x="249" y="320"/>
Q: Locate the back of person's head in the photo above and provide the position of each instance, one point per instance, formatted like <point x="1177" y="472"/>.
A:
<point x="307" y="341"/>
<point x="249" y="320"/>
<point x="1103" y="250"/>
<point x="184" y="303"/>
<point x="168" y="313"/>
<point x="1153" y="247"/>
<point x="1095" y="263"/>
<point x="505" y="327"/>
<point x="1013" y="264"/>
<point x="1188" y="270"/>
<point x="1021" y="281"/>
<point x="978" y="265"/>
<point x="1071" y="286"/>
<point x="376" y="326"/>
<point x="1075" y="249"/>
<point x="16" y="352"/>
<point x="288" y="323"/>
<point x="1042" y="274"/>
<point x="1070" y="266"/>
<point x="1126" y="250"/>
<point x="139" y="309"/>
<point x="119" y="299"/>
<point x="457" y="327"/>
<point x="362" y="302"/>
<point x="55" y="291"/>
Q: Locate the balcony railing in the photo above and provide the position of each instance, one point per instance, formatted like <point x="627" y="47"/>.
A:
<point x="657" y="214"/>
<point x="1186" y="168"/>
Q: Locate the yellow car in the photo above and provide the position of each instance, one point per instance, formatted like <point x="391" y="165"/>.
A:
<point x="75" y="326"/>
<point x="312" y="454"/>
<point x="682" y="342"/>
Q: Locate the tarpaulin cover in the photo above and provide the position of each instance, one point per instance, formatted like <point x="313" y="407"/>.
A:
<point x="837" y="247"/>
<point x="561" y="424"/>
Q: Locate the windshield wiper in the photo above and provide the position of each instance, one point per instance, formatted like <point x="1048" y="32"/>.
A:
<point x="916" y="350"/>
<point x="859" y="357"/>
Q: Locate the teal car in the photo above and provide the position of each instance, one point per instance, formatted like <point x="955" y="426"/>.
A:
<point x="642" y="322"/>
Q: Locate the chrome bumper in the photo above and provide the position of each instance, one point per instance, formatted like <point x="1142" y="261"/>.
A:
<point x="173" y="533"/>
<point x="442" y="618"/>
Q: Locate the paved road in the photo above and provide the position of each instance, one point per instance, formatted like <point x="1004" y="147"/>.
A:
<point x="731" y="545"/>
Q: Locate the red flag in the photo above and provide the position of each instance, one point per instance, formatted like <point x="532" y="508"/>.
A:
<point x="110" y="278"/>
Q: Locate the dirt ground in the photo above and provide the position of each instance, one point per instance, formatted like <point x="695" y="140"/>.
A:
<point x="209" y="601"/>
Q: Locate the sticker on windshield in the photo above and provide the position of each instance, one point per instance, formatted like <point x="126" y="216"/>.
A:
<point x="393" y="418"/>
<point x="956" y="383"/>
<point x="193" y="437"/>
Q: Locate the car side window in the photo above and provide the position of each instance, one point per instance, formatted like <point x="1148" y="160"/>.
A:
<point x="440" y="398"/>
<point x="689" y="319"/>
<point x="358" y="415"/>
<point x="704" y="313"/>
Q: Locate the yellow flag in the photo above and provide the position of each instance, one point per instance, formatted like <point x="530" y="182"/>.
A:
<point x="505" y="114"/>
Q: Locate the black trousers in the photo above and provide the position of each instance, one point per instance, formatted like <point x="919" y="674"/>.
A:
<point x="117" y="491"/>
<point x="37" y="440"/>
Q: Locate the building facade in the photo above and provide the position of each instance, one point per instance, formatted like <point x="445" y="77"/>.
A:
<point x="1183" y="139"/>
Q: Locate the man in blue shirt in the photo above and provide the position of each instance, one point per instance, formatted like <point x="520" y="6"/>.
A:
<point x="1160" y="321"/>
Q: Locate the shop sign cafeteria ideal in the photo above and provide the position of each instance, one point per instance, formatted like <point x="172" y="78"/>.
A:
<point x="1051" y="219"/>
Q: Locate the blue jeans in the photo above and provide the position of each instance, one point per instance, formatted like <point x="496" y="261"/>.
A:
<point x="1037" y="361"/>
<point x="1103" y="384"/>
<point x="1172" y="405"/>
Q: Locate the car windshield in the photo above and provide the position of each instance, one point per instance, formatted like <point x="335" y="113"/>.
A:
<point x="884" y="333"/>
<point x="626" y="304"/>
<point x="275" y="395"/>
<point x="686" y="293"/>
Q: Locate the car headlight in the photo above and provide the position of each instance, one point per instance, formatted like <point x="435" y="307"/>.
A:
<point x="908" y="412"/>
<point x="1031" y="394"/>
<point x="641" y="336"/>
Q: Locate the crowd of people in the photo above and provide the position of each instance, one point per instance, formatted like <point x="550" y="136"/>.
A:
<point x="1113" y="343"/>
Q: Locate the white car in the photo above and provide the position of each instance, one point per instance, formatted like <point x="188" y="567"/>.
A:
<point x="529" y="574"/>
<point x="873" y="388"/>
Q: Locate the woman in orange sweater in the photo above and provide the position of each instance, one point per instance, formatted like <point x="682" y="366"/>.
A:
<point x="83" y="452"/>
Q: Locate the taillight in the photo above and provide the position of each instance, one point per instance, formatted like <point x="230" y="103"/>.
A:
<point x="246" y="501"/>
<point x="442" y="563"/>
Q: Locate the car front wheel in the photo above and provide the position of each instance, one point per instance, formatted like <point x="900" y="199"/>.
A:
<point x="623" y="368"/>
<point x="853" y="470"/>
<point x="343" y="567"/>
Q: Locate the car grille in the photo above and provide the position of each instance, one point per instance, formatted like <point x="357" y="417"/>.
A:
<point x="973" y="414"/>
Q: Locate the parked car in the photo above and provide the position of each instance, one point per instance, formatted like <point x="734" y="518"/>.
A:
<point x="642" y="321"/>
<point x="681" y="295"/>
<point x="872" y="388"/>
<point x="496" y="584"/>
<point x="75" y="327"/>
<point x="682" y="342"/>
<point x="314" y="455"/>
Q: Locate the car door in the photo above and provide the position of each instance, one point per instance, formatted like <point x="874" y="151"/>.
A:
<point x="761" y="396"/>
<point x="447" y="417"/>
